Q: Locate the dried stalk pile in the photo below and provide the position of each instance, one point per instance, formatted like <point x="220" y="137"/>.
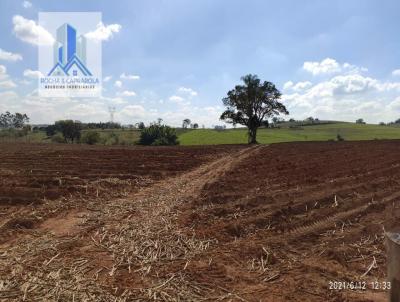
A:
<point x="121" y="250"/>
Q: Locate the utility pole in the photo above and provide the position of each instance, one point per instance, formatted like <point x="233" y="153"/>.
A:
<point x="111" y="109"/>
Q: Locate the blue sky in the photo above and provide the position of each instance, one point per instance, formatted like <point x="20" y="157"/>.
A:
<point x="331" y="59"/>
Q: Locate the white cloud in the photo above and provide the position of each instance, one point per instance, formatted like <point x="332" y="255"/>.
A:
<point x="8" y="101"/>
<point x="7" y="84"/>
<point x="329" y="66"/>
<point x="176" y="99"/>
<point x="366" y="107"/>
<point x="26" y="4"/>
<point x="188" y="91"/>
<point x="3" y="69"/>
<point x="118" y="101"/>
<point x="298" y="86"/>
<point x="395" y="105"/>
<point x="345" y="96"/>
<point x="114" y="100"/>
<point x="3" y="72"/>
<point x="208" y="115"/>
<point x="106" y="79"/>
<point x="396" y="72"/>
<point x="103" y="33"/>
<point x="9" y="56"/>
<point x="302" y="85"/>
<point x="388" y="86"/>
<point x="24" y="82"/>
<point x="182" y="101"/>
<point x="47" y="110"/>
<point x="353" y="83"/>
<point x="132" y="112"/>
<point x="89" y="111"/>
<point x="129" y="76"/>
<point x="8" y="96"/>
<point x="127" y="93"/>
<point x="352" y="69"/>
<point x="287" y="85"/>
<point x="179" y="101"/>
<point x="32" y="74"/>
<point x="28" y="31"/>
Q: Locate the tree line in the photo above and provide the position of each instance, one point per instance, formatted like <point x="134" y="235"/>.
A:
<point x="69" y="131"/>
<point x="13" y="120"/>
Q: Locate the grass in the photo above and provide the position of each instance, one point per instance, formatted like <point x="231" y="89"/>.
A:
<point x="325" y="132"/>
<point x="32" y="137"/>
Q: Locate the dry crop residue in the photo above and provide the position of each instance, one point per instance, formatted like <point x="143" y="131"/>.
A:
<point x="263" y="223"/>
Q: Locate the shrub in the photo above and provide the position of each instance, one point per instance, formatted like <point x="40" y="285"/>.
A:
<point x="90" y="137"/>
<point x="339" y="138"/>
<point x="13" y="133"/>
<point x="113" y="139"/>
<point x="158" y="135"/>
<point x="58" y="138"/>
<point x="51" y="130"/>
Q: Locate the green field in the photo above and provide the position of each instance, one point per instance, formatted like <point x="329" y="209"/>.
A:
<point x="322" y="132"/>
<point x="326" y="132"/>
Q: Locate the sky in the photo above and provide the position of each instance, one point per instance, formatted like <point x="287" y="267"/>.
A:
<point x="176" y="59"/>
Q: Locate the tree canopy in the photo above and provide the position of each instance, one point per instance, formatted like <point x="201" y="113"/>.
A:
<point x="185" y="123"/>
<point x="71" y="130"/>
<point x="252" y="104"/>
<point x="9" y="120"/>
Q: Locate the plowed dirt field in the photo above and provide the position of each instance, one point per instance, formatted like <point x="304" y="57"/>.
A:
<point x="223" y="223"/>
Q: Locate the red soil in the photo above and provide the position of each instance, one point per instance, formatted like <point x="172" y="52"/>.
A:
<point x="282" y="220"/>
<point x="32" y="175"/>
<point x="315" y="212"/>
<point x="31" y="172"/>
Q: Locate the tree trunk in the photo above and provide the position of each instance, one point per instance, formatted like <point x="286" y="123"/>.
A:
<point x="252" y="135"/>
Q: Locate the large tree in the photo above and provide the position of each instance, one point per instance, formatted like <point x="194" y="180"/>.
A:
<point x="252" y="104"/>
